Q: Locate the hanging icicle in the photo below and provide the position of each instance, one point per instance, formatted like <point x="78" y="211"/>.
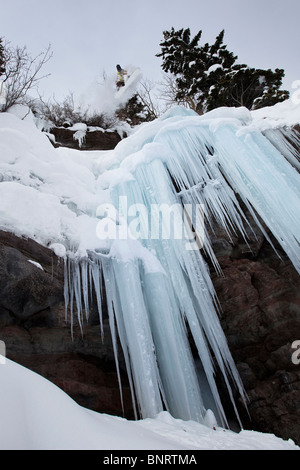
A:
<point x="157" y="285"/>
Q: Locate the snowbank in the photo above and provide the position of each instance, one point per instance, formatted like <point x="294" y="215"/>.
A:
<point x="37" y="415"/>
<point x="46" y="194"/>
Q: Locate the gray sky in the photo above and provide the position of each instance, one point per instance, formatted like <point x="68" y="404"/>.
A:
<point x="92" y="36"/>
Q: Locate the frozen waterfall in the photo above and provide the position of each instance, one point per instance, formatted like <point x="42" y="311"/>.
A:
<point x="156" y="283"/>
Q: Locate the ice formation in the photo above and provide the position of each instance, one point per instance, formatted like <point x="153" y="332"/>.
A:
<point x="158" y="290"/>
<point x="107" y="225"/>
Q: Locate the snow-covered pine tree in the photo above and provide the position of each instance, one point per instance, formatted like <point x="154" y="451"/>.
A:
<point x="249" y="87"/>
<point x="182" y="58"/>
<point x="209" y="76"/>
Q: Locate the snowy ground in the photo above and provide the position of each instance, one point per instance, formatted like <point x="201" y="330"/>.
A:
<point x="37" y="415"/>
<point x="281" y="114"/>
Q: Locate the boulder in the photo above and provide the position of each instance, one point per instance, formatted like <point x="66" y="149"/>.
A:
<point x="260" y="302"/>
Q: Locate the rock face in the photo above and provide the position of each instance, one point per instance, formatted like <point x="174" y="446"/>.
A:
<point x="25" y="287"/>
<point x="89" y="140"/>
<point x="260" y="300"/>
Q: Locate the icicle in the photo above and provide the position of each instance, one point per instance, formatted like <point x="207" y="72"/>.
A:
<point x="112" y="305"/>
<point x="287" y="142"/>
<point x="95" y="270"/>
<point x="188" y="277"/>
<point x="176" y="365"/>
<point x="192" y="162"/>
<point x="265" y="181"/>
<point x="85" y="287"/>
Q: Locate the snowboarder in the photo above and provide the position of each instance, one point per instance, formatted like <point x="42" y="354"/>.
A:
<point x="120" y="76"/>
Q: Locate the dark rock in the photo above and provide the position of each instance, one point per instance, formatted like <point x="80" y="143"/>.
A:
<point x="38" y="335"/>
<point x="260" y="300"/>
<point x="27" y="288"/>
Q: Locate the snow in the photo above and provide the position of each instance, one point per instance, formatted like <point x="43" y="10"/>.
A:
<point x="101" y="97"/>
<point x="36" y="264"/>
<point x="40" y="416"/>
<point x="50" y="192"/>
<point x="213" y="68"/>
<point x="65" y="199"/>
<point x="80" y="132"/>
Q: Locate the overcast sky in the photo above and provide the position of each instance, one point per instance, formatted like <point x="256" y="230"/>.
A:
<point x="91" y="36"/>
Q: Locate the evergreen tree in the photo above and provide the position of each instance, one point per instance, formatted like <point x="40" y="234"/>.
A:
<point x="134" y="111"/>
<point x="209" y="76"/>
<point x="249" y="87"/>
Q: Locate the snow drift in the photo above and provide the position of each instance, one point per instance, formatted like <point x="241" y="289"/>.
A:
<point x="37" y="415"/>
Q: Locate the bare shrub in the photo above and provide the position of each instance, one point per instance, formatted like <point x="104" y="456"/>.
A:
<point x="22" y="74"/>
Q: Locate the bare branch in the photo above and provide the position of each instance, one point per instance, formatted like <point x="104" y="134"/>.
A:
<point x="169" y="93"/>
<point x="145" y="96"/>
